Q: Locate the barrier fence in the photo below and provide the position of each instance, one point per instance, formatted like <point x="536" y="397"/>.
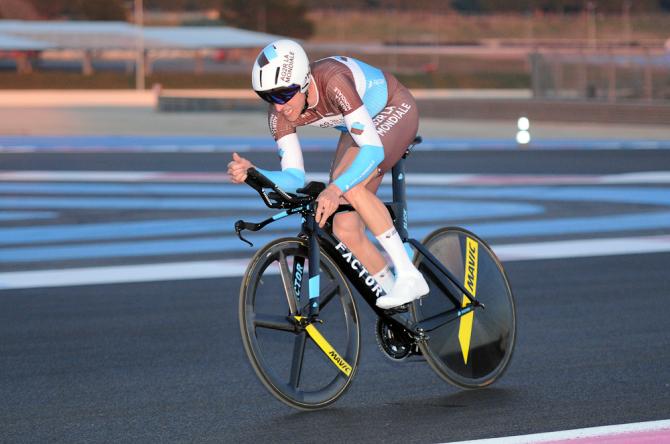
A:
<point x="609" y="75"/>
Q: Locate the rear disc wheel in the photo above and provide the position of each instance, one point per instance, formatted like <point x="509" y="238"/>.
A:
<point x="475" y="349"/>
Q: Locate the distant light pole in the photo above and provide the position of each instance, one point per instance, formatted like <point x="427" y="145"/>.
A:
<point x="626" y="21"/>
<point x="591" y="23"/>
<point x="262" y="18"/>
<point x="139" y="61"/>
<point x="436" y="32"/>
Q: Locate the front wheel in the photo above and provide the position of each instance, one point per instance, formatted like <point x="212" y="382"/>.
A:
<point x="474" y="349"/>
<point x="305" y="366"/>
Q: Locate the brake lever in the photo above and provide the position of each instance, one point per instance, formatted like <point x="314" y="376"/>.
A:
<point x="239" y="226"/>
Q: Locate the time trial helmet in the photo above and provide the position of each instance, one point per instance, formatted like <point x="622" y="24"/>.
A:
<point x="280" y="71"/>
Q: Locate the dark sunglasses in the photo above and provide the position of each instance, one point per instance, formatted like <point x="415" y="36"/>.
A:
<point x="279" y="95"/>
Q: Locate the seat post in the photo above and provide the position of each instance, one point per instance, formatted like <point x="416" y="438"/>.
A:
<point x="399" y="201"/>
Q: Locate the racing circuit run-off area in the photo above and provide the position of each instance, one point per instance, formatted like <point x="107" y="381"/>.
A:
<point x="361" y="222"/>
<point x="121" y="273"/>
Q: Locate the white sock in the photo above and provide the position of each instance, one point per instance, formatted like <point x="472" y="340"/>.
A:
<point x="384" y="277"/>
<point x="390" y="241"/>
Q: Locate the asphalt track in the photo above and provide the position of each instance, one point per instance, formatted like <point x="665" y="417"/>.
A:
<point x="163" y="361"/>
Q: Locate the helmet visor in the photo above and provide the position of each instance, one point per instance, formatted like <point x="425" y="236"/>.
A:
<point x="279" y="95"/>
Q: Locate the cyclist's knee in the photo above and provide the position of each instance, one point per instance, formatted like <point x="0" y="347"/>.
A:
<point x="349" y="228"/>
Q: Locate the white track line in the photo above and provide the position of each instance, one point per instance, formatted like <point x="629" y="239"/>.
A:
<point x="237" y="267"/>
<point x="582" y="248"/>
<point x="123" y="274"/>
<point x="582" y="434"/>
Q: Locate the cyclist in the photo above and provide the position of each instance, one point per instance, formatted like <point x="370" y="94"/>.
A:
<point x="378" y="119"/>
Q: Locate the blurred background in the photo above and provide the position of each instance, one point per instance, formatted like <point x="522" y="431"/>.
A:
<point x="605" y="50"/>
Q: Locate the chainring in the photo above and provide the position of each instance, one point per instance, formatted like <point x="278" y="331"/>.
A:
<point x="394" y="341"/>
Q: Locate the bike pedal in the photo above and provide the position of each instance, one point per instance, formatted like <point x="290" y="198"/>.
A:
<point x="399" y="309"/>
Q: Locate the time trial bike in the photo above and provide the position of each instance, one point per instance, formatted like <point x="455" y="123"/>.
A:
<point x="303" y="341"/>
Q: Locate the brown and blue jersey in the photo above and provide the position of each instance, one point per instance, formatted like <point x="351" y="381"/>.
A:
<point x="349" y="94"/>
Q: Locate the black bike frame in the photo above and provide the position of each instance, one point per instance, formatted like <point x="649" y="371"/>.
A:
<point x="352" y="268"/>
<point x="361" y="278"/>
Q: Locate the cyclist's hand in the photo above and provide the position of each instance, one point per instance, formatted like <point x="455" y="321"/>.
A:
<point x="237" y="169"/>
<point x="328" y="201"/>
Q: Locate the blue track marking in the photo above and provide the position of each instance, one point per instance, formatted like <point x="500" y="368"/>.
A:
<point x="154" y="143"/>
<point x="429" y="207"/>
<point x="613" y="194"/>
<point x="223" y="244"/>
<point x="127" y="230"/>
<point x="26" y="215"/>
<point x="121" y="249"/>
<point x="572" y="225"/>
<point x="136" y="203"/>
<point x="423" y="212"/>
<point x="631" y="195"/>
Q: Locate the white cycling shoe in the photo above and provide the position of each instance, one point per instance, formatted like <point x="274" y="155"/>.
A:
<point x="407" y="288"/>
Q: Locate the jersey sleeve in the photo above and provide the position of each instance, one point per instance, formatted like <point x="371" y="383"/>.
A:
<point x="342" y="91"/>
<point x="292" y="174"/>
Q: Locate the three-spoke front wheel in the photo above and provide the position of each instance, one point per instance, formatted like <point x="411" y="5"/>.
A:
<point x="304" y="367"/>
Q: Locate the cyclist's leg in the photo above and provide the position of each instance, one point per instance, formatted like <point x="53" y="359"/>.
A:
<point x="409" y="283"/>
<point x="397" y="126"/>
<point x="371" y="210"/>
<point x="376" y="216"/>
<point x="349" y="227"/>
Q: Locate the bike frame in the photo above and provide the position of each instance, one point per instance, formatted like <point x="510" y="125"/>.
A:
<point x="351" y="267"/>
<point x="362" y="280"/>
<point x="356" y="273"/>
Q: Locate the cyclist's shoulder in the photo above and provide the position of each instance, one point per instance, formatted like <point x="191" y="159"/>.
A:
<point x="345" y="64"/>
<point x="348" y="72"/>
<point x="326" y="70"/>
<point x="332" y="75"/>
<point x="337" y="62"/>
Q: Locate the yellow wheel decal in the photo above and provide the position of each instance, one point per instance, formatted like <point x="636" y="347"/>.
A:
<point x="327" y="349"/>
<point x="470" y="284"/>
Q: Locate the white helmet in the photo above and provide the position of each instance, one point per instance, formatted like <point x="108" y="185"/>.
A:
<point x="280" y="65"/>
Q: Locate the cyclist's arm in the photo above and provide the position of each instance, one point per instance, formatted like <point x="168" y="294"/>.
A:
<point x="371" y="154"/>
<point x="292" y="174"/>
<point x="362" y="130"/>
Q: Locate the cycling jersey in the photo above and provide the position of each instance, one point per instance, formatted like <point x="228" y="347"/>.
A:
<point x="349" y="94"/>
